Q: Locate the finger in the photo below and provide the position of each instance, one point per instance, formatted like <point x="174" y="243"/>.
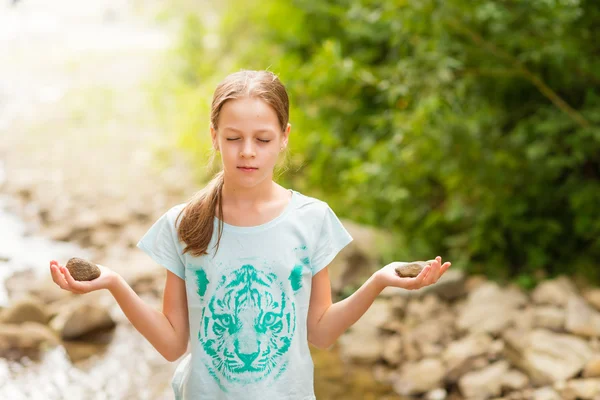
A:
<point x="76" y="286"/>
<point x="430" y="279"/>
<point x="435" y="272"/>
<point x="57" y="277"/>
<point x="424" y="281"/>
<point x="421" y="277"/>
<point x="445" y="267"/>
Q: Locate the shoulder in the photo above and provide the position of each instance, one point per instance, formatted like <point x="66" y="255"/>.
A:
<point x="308" y="206"/>
<point x="172" y="214"/>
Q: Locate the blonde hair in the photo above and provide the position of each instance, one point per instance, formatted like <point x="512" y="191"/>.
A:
<point x="196" y="228"/>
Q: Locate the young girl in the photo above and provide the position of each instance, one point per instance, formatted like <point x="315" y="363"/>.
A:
<point x="247" y="282"/>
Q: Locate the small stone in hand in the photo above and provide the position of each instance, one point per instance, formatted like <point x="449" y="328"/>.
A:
<point x="82" y="270"/>
<point x="411" y="269"/>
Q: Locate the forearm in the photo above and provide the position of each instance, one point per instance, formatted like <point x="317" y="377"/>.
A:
<point x="343" y="314"/>
<point x="150" y="322"/>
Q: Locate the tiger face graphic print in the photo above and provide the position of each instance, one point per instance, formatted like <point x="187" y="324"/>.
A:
<point x="248" y="324"/>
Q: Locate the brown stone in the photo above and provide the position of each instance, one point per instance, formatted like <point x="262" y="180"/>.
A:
<point x="411" y="269"/>
<point x="82" y="270"/>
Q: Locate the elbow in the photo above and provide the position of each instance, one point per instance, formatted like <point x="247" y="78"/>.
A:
<point x="173" y="355"/>
<point x="320" y="343"/>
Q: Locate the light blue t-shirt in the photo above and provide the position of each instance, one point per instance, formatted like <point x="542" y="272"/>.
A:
<point x="248" y="305"/>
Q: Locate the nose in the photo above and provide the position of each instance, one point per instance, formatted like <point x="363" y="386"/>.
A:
<point x="247" y="149"/>
<point x="247" y="352"/>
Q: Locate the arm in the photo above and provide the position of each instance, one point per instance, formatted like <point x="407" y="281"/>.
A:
<point x="327" y="321"/>
<point x="167" y="331"/>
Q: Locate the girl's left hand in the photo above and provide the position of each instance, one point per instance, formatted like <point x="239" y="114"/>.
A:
<point x="387" y="276"/>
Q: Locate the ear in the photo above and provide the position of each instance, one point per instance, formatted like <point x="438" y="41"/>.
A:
<point x="213" y="135"/>
<point x="286" y="135"/>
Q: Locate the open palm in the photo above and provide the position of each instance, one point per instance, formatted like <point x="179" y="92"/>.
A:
<point x="62" y="277"/>
<point x="387" y="275"/>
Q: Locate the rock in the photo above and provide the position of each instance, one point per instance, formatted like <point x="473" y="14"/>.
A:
<point x="357" y="261"/>
<point x="59" y="232"/>
<point x="117" y="216"/>
<point x="484" y="383"/>
<point x="356" y="347"/>
<point x="28" y="339"/>
<point x="394" y="326"/>
<point x="86" y="220"/>
<point x="411" y="269"/>
<point x="545" y="393"/>
<point x="437" y="394"/>
<point x="47" y="291"/>
<point x="514" y="380"/>
<point x="80" y="318"/>
<point x="489" y="309"/>
<point x="375" y="317"/>
<point x="592" y="368"/>
<point x="468" y="365"/>
<point x="90" y="344"/>
<point x="524" y="319"/>
<point x="131" y="233"/>
<point x="434" y="331"/>
<point x="361" y="343"/>
<point x="472" y="282"/>
<point x="549" y="317"/>
<point x="546" y="356"/>
<point x="419" y="310"/>
<point x="82" y="270"/>
<point x="137" y="269"/>
<point x="18" y="284"/>
<point x="592" y="296"/>
<point x="420" y="377"/>
<point x="102" y="237"/>
<point x="579" y="389"/>
<point x="27" y="309"/>
<point x="392" y="350"/>
<point x="458" y="352"/>
<point x="79" y="350"/>
<point x="555" y="292"/>
<point x="582" y="319"/>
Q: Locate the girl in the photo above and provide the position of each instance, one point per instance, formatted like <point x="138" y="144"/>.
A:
<point x="247" y="282"/>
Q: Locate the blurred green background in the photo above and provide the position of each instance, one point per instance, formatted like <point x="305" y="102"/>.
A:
<point x="470" y="130"/>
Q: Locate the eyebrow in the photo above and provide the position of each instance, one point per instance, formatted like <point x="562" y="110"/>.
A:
<point x="256" y="131"/>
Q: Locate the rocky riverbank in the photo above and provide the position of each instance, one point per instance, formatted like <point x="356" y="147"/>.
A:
<point x="469" y="338"/>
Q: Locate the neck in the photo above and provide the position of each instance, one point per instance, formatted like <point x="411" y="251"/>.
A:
<point x="249" y="196"/>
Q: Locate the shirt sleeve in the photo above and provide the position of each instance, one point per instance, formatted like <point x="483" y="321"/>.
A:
<point x="161" y="244"/>
<point x="333" y="237"/>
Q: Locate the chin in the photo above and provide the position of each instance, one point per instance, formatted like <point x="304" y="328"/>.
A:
<point x="249" y="181"/>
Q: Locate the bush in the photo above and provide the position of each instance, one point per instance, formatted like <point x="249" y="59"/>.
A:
<point x="470" y="128"/>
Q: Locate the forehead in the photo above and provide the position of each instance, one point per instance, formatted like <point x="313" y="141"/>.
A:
<point x="248" y="114"/>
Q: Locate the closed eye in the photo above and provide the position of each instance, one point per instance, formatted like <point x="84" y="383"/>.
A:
<point x="260" y="140"/>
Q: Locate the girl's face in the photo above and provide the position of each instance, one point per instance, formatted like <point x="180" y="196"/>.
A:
<point x="250" y="139"/>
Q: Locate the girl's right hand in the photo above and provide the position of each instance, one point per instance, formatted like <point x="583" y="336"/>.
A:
<point x="62" y="277"/>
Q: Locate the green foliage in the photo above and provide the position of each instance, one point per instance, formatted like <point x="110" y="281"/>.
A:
<point x="470" y="128"/>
